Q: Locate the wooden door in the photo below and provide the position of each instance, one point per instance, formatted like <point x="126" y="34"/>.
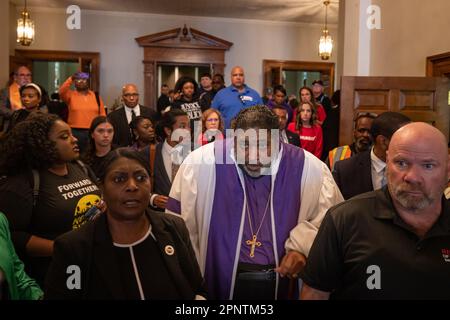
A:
<point x="438" y="65"/>
<point x="420" y="98"/>
<point x="273" y="70"/>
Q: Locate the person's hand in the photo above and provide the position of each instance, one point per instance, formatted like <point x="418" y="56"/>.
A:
<point x="291" y="264"/>
<point x="177" y="95"/>
<point x="160" y="201"/>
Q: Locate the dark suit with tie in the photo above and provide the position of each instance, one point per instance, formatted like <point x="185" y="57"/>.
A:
<point x="122" y="132"/>
<point x="91" y="249"/>
<point x="293" y="138"/>
<point x="354" y="175"/>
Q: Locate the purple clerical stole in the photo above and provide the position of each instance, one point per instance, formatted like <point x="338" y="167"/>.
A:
<point x="226" y="217"/>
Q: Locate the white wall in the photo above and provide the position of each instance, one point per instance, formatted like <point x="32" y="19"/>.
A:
<point x="112" y="34"/>
<point x="411" y="30"/>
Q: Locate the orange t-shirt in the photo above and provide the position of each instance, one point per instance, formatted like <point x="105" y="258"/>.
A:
<point x="83" y="108"/>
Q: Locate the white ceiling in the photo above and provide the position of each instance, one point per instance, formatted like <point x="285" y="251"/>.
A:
<point x="278" y="10"/>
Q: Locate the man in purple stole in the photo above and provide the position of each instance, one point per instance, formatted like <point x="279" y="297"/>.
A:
<point x="252" y="207"/>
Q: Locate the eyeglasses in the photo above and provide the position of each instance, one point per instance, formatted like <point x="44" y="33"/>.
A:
<point x="212" y="120"/>
<point x="128" y="95"/>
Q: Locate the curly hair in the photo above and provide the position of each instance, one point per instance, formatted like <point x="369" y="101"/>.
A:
<point x="134" y="124"/>
<point x="182" y="81"/>
<point x="258" y="116"/>
<point x="27" y="146"/>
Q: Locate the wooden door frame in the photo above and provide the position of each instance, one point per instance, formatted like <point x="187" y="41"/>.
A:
<point x="323" y="67"/>
<point x="179" y="46"/>
<point x="442" y="60"/>
<point x="73" y="56"/>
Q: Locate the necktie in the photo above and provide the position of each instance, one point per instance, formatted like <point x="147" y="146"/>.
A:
<point x="133" y="115"/>
<point x="383" y="179"/>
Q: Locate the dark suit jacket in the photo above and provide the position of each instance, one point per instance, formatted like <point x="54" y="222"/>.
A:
<point x="91" y="248"/>
<point x="122" y="132"/>
<point x="293" y="138"/>
<point x="353" y="175"/>
<point x="161" y="180"/>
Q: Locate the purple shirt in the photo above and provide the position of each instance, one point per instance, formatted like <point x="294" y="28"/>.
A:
<point x="258" y="193"/>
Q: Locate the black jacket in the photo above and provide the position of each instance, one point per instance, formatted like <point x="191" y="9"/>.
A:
<point x="91" y="249"/>
<point x="122" y="132"/>
<point x="161" y="180"/>
<point x="354" y="175"/>
<point x="293" y="138"/>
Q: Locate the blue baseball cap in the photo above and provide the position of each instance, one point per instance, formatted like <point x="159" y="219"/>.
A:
<point x="81" y="75"/>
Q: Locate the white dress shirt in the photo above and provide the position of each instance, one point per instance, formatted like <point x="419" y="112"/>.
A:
<point x="166" y="153"/>
<point x="284" y="137"/>
<point x="378" y="171"/>
<point x="167" y="158"/>
<point x="137" y="112"/>
<point x="171" y="155"/>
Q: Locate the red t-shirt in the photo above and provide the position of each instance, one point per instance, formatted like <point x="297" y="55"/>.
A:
<point x="311" y="139"/>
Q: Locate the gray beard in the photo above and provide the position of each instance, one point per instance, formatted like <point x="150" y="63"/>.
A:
<point x="264" y="171"/>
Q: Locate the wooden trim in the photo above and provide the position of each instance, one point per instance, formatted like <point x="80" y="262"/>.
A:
<point x="172" y="39"/>
<point x="74" y="56"/>
<point x="323" y="67"/>
<point x="155" y="37"/>
<point x="433" y="60"/>
<point x="196" y="34"/>
<point x="177" y="47"/>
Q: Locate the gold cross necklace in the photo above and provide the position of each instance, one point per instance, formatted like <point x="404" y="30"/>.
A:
<point x="253" y="243"/>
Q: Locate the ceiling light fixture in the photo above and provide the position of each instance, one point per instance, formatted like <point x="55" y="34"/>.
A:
<point x="25" y="28"/>
<point x="325" y="42"/>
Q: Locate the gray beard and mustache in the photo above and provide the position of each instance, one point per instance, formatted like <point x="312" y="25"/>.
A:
<point x="363" y="144"/>
<point x="410" y="201"/>
<point x="413" y="202"/>
<point x="265" y="170"/>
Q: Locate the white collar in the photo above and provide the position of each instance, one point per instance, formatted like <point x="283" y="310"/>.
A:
<point x="167" y="147"/>
<point x="128" y="109"/>
<point x="149" y="232"/>
<point x="377" y="163"/>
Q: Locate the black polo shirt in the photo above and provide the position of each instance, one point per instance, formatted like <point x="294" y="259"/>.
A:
<point x="363" y="243"/>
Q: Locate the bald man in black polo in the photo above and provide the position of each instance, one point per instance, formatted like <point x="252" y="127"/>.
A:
<point x="393" y="243"/>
